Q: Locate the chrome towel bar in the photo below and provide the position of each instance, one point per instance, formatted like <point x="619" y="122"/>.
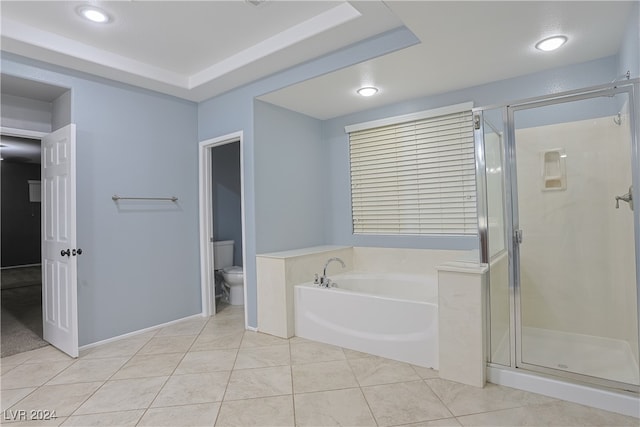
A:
<point x="115" y="198"/>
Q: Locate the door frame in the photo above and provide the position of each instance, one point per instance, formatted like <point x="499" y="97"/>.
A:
<point x="23" y="133"/>
<point x="205" y="176"/>
<point x="631" y="89"/>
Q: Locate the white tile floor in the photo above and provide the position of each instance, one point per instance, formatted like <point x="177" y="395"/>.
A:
<point x="206" y="372"/>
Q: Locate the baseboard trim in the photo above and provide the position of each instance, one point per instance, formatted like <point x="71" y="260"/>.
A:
<point x="19" y="285"/>
<point x="138" y="332"/>
<point x="20" y="266"/>
<point x="9" y="281"/>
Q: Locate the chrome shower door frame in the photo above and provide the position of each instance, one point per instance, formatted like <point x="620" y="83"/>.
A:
<point x="632" y="89"/>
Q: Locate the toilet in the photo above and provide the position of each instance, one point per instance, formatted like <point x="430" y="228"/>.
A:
<point x="232" y="275"/>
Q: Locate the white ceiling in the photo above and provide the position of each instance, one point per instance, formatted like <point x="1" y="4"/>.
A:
<point x="199" y="49"/>
<point x="191" y="49"/>
<point x="464" y="44"/>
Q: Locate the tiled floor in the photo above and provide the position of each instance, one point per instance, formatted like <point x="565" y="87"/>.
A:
<point x="211" y="372"/>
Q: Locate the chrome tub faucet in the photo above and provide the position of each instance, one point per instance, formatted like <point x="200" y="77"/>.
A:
<point x="324" y="281"/>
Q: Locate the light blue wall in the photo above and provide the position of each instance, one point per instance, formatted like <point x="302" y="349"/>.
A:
<point x="24" y="113"/>
<point x="233" y="111"/>
<point x="220" y="116"/>
<point x="61" y="111"/>
<point x="629" y="57"/>
<point x="227" y="207"/>
<point x="291" y="195"/>
<point x="339" y="226"/>
<point x="139" y="266"/>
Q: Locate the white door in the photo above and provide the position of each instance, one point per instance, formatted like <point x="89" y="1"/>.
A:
<point x="59" y="251"/>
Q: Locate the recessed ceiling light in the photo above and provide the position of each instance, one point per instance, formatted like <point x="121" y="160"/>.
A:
<point x="551" y="43"/>
<point x="94" y="14"/>
<point x="368" y="91"/>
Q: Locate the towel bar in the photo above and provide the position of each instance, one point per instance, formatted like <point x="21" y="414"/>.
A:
<point x="115" y="198"/>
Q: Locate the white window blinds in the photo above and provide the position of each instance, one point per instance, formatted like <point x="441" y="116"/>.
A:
<point x="414" y="177"/>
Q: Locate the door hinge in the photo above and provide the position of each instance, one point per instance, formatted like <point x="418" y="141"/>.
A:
<point x="476" y="121"/>
<point x="517" y="236"/>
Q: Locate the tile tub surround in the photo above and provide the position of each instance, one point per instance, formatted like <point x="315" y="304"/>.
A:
<point x="316" y="385"/>
<point x="462" y="324"/>
<point x="279" y="272"/>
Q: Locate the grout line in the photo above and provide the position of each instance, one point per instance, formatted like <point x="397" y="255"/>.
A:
<point x="360" y="388"/>
<point x="29" y="394"/>
<point x="129" y="358"/>
<point x="226" y="387"/>
<point x="293" y="394"/>
<point x="424" y="380"/>
<point x="373" y="415"/>
<point x="504" y="409"/>
<point x="37" y="388"/>
<point x="105" y="382"/>
<point x="174" y="369"/>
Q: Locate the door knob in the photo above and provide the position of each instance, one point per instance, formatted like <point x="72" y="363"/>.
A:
<point x="76" y="251"/>
<point x="67" y="252"/>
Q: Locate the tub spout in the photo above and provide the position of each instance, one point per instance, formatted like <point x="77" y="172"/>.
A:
<point x="324" y="271"/>
<point x="324" y="280"/>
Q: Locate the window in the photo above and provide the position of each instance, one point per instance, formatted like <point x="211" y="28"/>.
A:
<point x="414" y="174"/>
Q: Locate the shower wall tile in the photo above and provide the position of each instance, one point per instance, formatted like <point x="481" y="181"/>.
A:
<point x="577" y="254"/>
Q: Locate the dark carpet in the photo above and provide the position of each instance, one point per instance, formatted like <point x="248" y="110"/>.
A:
<point x="21" y="319"/>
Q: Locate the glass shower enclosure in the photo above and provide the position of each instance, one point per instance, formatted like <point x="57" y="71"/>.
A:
<point x="561" y="233"/>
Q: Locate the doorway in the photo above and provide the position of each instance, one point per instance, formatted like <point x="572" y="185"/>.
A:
<point x="57" y="196"/>
<point x="33" y="109"/>
<point x="21" y="300"/>
<point x="222" y="217"/>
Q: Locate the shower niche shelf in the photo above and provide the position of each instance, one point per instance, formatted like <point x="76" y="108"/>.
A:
<point x="554" y="174"/>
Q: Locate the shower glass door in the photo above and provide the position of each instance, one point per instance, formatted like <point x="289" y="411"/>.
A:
<point x="575" y="234"/>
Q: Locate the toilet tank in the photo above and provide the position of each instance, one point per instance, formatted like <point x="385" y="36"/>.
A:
<point x="222" y="254"/>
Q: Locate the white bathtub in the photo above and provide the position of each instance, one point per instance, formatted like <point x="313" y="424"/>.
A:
<point x="389" y="315"/>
